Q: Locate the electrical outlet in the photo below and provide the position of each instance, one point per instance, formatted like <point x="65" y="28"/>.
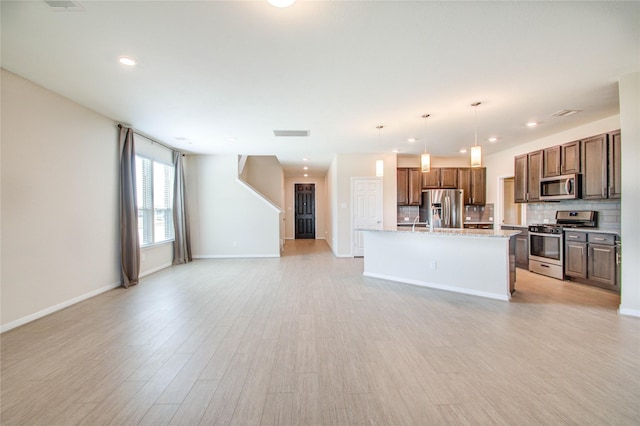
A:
<point x="433" y="265"/>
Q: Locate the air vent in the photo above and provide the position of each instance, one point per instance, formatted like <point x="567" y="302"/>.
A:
<point x="63" y="5"/>
<point x="566" y="112"/>
<point x="288" y="133"/>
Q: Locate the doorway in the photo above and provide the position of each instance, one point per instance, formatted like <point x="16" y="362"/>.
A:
<point x="305" y="210"/>
<point x="511" y="211"/>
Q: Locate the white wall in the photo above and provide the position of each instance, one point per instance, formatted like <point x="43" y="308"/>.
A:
<point x="361" y="165"/>
<point x="629" y="88"/>
<point x="331" y="187"/>
<point x="59" y="202"/>
<point x="414" y="161"/>
<point x="321" y="205"/>
<point x="228" y="218"/>
<point x="265" y="174"/>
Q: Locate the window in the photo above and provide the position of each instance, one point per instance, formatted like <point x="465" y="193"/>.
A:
<point x="154" y="183"/>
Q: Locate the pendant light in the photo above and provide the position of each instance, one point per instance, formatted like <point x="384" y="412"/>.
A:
<point x="476" y="150"/>
<point x="379" y="163"/>
<point x="425" y="159"/>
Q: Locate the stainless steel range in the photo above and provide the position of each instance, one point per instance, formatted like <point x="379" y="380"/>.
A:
<point x="546" y="241"/>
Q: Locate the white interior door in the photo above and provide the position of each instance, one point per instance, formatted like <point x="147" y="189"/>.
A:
<point x="366" y="209"/>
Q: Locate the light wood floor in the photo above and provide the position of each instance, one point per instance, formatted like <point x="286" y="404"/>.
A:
<point x="306" y="339"/>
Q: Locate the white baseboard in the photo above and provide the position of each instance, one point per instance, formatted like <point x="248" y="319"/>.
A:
<point x="151" y="271"/>
<point x="234" y="256"/>
<point x="629" y="312"/>
<point x="58" y="307"/>
<point x="440" y="286"/>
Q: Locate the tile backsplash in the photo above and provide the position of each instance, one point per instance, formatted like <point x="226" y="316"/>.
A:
<point x="407" y="213"/>
<point x="478" y="213"/>
<point x="608" y="211"/>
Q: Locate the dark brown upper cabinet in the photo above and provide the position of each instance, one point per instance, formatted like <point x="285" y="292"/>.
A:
<point x="449" y="177"/>
<point x="409" y="190"/>
<point x="615" y="186"/>
<point x="528" y="171"/>
<point x="403" y="187"/>
<point x="594" y="167"/>
<point x="472" y="181"/>
<point x="551" y="158"/>
<point x="570" y="156"/>
<point x="431" y="179"/>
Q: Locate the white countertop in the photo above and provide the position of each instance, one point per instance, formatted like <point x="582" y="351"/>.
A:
<point x="454" y="232"/>
<point x="594" y="230"/>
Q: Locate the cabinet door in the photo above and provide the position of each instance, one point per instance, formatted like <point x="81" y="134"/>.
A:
<point x="570" y="158"/>
<point x="534" y="173"/>
<point x="594" y="167"/>
<point x="615" y="187"/>
<point x="575" y="262"/>
<point x="449" y="177"/>
<point x="415" y="187"/>
<point x="464" y="183"/>
<point x="403" y="187"/>
<point x="551" y="162"/>
<point x="520" y="179"/>
<point x="431" y="179"/>
<point x="478" y="186"/>
<point x="522" y="251"/>
<point x="602" y="264"/>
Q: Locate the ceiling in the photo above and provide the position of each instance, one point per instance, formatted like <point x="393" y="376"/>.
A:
<point x="220" y="76"/>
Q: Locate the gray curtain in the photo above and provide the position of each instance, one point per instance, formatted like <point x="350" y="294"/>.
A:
<point x="182" y="240"/>
<point x="129" y="246"/>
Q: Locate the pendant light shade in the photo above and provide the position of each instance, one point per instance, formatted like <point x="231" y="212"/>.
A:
<point x="425" y="163"/>
<point x="425" y="159"/>
<point x="476" y="156"/>
<point x="476" y="150"/>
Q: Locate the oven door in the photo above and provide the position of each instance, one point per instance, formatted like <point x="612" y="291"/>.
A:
<point x="546" y="248"/>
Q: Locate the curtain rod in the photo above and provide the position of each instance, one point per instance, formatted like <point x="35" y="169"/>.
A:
<point x="120" y="126"/>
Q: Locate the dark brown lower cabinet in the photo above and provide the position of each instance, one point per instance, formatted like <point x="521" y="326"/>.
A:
<point x="590" y="258"/>
<point x="522" y="246"/>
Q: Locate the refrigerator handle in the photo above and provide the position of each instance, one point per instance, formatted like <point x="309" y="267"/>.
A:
<point x="447" y="211"/>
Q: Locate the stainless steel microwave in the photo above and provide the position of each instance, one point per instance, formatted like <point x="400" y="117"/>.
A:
<point x="565" y="187"/>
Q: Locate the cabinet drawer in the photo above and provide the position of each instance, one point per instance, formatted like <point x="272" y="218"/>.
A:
<point x="608" y="239"/>
<point x="575" y="236"/>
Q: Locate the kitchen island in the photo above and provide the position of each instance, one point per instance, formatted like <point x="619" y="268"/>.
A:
<point x="471" y="261"/>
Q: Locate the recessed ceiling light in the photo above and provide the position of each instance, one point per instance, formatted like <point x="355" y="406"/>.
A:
<point x="127" y="60"/>
<point x="305" y="168"/>
<point x="493" y="139"/>
<point x="395" y="151"/>
<point x="305" y="159"/>
<point x="463" y="151"/>
<point x="532" y="124"/>
<point x="306" y="175"/>
<point x="411" y="140"/>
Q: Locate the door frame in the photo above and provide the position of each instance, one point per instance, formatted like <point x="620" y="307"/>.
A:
<point x="352" y="210"/>
<point x="498" y="210"/>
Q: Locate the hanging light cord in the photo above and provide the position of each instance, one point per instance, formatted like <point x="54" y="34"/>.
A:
<point x="425" y="116"/>
<point x="475" y="105"/>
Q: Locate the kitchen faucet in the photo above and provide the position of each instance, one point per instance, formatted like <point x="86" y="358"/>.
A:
<point x="413" y="227"/>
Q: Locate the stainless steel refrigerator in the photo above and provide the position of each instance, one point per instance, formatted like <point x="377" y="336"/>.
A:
<point x="443" y="207"/>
